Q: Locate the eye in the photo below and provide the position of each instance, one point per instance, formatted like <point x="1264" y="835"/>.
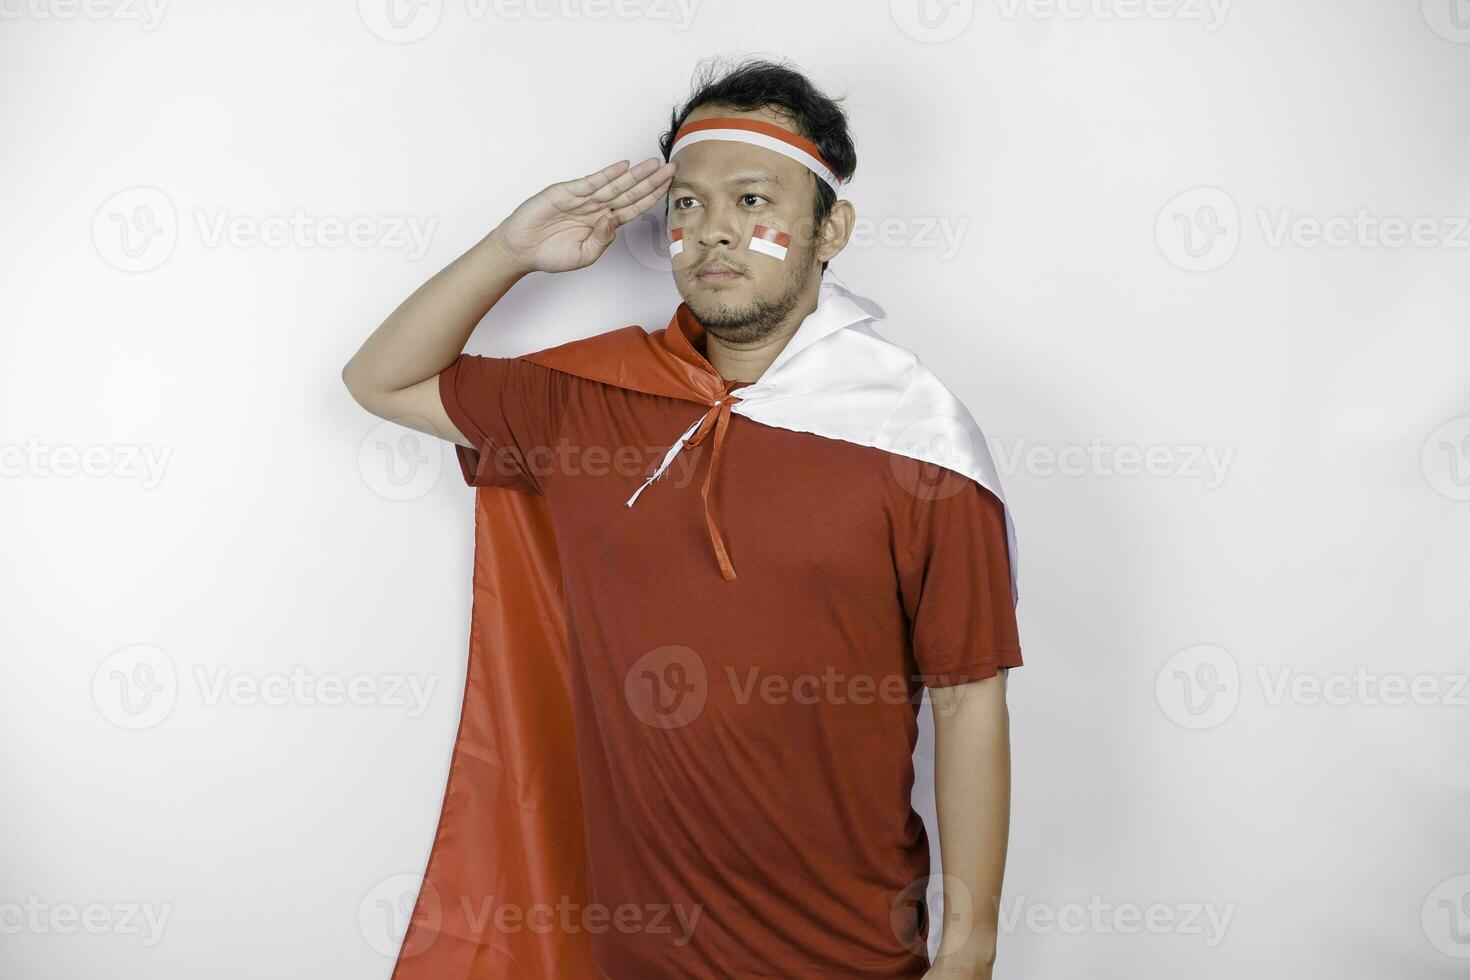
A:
<point x="746" y="197"/>
<point x="679" y="203"/>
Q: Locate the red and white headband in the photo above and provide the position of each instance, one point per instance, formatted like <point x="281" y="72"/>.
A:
<point x="759" y="133"/>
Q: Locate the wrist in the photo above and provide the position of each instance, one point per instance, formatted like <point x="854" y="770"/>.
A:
<point x="493" y="249"/>
<point x="972" y="959"/>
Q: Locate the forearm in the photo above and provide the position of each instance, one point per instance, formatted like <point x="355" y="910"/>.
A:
<point x="565" y="226"/>
<point x="430" y="329"/>
<point x="972" y="788"/>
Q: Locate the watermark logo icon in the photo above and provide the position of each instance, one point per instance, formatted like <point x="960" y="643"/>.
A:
<point x="1450" y="19"/>
<point x="1446" y="917"/>
<point x="931" y="455"/>
<point x="646" y="239"/>
<point x="136" y="687"/>
<point x="136" y="229"/>
<point x="400" y="463"/>
<point x="932" y="21"/>
<point x="1199" y="229"/>
<point x="667" y="687"/>
<point x="384" y="913"/>
<point x="400" y="21"/>
<point x="1198" y="687"/>
<point x="939" y="905"/>
<point x="1446" y="459"/>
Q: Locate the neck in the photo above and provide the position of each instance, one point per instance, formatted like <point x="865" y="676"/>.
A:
<point x="747" y="362"/>
<point x="738" y="358"/>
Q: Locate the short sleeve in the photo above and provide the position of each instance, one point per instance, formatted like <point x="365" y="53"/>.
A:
<point x="510" y="409"/>
<point x="956" y="583"/>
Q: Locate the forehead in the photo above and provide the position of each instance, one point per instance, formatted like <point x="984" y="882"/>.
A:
<point x="709" y="165"/>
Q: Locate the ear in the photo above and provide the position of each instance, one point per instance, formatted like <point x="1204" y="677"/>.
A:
<point x="835" y="231"/>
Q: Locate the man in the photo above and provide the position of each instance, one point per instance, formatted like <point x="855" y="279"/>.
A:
<point x="736" y="620"/>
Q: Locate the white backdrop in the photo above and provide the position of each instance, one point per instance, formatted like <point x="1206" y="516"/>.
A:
<point x="1199" y="269"/>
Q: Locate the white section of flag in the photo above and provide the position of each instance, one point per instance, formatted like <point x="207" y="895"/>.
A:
<point x="768" y="248"/>
<point x="769" y="241"/>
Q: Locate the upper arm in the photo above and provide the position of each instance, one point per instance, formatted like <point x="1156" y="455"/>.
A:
<point x="956" y="586"/>
<point x="418" y="407"/>
<point x="502" y="413"/>
<point x="507" y="414"/>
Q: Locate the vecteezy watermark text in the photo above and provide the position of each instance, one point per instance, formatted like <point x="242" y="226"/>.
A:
<point x="1207" y="464"/>
<point x="137" y="229"/>
<point x="126" y="461"/>
<point x="38" y="917"/>
<point x="1208" y="921"/>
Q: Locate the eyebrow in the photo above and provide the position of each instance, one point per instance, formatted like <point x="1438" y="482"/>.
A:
<point x="735" y="180"/>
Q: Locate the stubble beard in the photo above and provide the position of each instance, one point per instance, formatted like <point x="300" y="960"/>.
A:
<point x="755" y="321"/>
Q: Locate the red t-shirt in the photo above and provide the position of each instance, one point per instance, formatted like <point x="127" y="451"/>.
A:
<point x="745" y="747"/>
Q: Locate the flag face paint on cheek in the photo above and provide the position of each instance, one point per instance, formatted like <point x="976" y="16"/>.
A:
<point x="769" y="241"/>
<point x="676" y="242"/>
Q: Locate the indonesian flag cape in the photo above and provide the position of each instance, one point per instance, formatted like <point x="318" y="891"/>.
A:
<point x="511" y="825"/>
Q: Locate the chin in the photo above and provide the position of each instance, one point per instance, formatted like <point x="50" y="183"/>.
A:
<point x="707" y="307"/>
<point x="714" y="311"/>
<point x="719" y="296"/>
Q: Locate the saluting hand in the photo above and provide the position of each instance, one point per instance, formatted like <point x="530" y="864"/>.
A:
<point x="569" y="225"/>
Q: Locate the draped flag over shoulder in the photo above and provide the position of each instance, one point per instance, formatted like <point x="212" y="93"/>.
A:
<point x="511" y="825"/>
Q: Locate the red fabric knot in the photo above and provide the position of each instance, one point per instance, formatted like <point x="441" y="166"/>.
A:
<point x="718" y="420"/>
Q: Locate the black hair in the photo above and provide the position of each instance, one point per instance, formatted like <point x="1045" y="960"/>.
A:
<point x="756" y="83"/>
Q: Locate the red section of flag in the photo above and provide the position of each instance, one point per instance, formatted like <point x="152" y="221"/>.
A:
<point x="676" y="235"/>
<point x="772" y="235"/>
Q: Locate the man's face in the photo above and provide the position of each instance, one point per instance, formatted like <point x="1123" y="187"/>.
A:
<point x="721" y="191"/>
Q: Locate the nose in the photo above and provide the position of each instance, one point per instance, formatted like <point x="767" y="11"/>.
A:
<point x="718" y="227"/>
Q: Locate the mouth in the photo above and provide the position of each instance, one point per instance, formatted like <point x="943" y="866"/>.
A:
<point x="718" y="273"/>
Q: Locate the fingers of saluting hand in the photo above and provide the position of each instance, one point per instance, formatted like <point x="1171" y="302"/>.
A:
<point x="584" y="187"/>
<point x="641" y="196"/>
<point x="613" y="219"/>
<point x="633" y="184"/>
<point x="638" y="206"/>
<point x="595" y="190"/>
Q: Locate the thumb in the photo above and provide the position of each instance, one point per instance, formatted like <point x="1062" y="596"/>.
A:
<point x="612" y="228"/>
<point x="603" y="233"/>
